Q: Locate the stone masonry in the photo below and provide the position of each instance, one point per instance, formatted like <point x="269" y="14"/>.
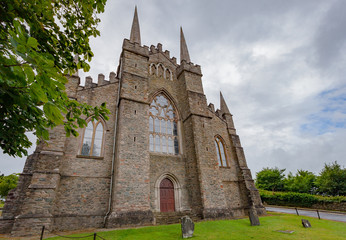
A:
<point x="64" y="190"/>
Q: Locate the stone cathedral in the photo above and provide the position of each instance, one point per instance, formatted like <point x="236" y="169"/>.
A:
<point x="163" y="153"/>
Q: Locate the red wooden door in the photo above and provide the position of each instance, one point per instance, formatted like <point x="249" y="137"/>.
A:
<point x="167" y="196"/>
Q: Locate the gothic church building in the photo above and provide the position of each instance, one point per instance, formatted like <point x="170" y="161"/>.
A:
<point x="163" y="153"/>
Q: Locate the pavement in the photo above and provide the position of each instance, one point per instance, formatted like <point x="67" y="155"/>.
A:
<point x="336" y="216"/>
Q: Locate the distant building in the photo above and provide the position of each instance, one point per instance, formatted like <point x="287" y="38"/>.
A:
<point x="162" y="154"/>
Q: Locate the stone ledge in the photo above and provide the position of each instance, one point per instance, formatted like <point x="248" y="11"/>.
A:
<point x="89" y="157"/>
<point x="34" y="215"/>
<point x="41" y="186"/>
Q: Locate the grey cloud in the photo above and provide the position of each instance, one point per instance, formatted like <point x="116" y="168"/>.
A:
<point x="330" y="39"/>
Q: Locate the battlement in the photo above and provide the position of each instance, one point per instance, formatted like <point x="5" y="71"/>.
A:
<point x="218" y="112"/>
<point x="100" y="81"/>
<point x="190" y="67"/>
<point x="135" y="48"/>
<point x="158" y="49"/>
<point x="211" y="107"/>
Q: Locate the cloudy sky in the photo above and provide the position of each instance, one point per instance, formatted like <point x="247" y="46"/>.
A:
<point x="281" y="66"/>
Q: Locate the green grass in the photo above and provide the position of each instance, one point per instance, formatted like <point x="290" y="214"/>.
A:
<point x="238" y="229"/>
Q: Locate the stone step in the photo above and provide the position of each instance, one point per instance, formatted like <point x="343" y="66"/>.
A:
<point x="174" y="217"/>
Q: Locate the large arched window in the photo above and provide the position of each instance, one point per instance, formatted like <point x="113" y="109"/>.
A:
<point x="92" y="139"/>
<point x="163" y="126"/>
<point x="220" y="151"/>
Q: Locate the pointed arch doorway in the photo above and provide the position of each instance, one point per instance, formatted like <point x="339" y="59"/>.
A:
<point x="167" y="203"/>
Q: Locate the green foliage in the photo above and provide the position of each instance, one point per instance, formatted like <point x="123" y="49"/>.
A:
<point x="332" y="180"/>
<point x="38" y="42"/>
<point x="270" y="179"/>
<point x="7" y="183"/>
<point x="296" y="199"/>
<point x="302" y="182"/>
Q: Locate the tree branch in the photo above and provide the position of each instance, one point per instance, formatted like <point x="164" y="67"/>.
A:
<point x="15" y="65"/>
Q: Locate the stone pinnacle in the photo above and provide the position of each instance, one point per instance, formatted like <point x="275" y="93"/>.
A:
<point x="135" y="31"/>
<point x="184" y="52"/>
<point x="223" y="105"/>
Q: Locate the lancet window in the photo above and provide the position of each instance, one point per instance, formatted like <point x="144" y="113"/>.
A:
<point x="163" y="126"/>
<point x="92" y="139"/>
<point x="220" y="151"/>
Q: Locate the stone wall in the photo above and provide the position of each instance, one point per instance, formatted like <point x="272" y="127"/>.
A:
<point x="331" y="206"/>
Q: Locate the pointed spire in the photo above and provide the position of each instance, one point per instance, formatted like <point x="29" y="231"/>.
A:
<point x="184" y="53"/>
<point x="223" y="105"/>
<point x="135" y="31"/>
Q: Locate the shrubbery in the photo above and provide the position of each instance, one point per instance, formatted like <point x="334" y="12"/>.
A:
<point x="296" y="199"/>
<point x="7" y="183"/>
<point x="330" y="182"/>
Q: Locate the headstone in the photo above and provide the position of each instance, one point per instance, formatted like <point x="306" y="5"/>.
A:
<point x="306" y="223"/>
<point x="254" y="220"/>
<point x="187" y="227"/>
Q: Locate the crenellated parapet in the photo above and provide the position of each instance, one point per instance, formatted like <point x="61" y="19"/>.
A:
<point x="189" y="67"/>
<point x="158" y="49"/>
<point x="101" y="81"/>
<point x="135" y="47"/>
<point x="224" y="114"/>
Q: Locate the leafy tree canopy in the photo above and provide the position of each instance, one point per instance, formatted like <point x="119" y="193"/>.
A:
<point x="332" y="180"/>
<point x="7" y="183"/>
<point x="270" y="179"/>
<point x="303" y="182"/>
<point x="38" y="42"/>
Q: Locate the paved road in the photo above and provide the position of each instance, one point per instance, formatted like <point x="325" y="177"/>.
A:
<point x="324" y="215"/>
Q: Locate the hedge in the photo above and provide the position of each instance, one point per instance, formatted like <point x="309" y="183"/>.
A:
<point x="297" y="199"/>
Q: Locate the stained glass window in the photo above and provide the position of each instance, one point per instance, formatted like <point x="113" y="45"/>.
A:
<point x="220" y="151"/>
<point x="163" y="126"/>
<point x="92" y="139"/>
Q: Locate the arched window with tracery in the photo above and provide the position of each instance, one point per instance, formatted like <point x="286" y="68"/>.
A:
<point x="93" y="139"/>
<point x="163" y="126"/>
<point x="220" y="151"/>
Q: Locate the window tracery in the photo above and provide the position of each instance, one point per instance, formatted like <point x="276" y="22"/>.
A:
<point x="163" y="126"/>
<point x="220" y="151"/>
<point x="161" y="71"/>
<point x="92" y="139"/>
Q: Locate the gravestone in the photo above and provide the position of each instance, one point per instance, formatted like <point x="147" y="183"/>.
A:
<point x="254" y="220"/>
<point x="187" y="227"/>
<point x="306" y="223"/>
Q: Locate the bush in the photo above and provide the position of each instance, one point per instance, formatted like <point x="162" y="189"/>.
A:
<point x="270" y="179"/>
<point x="7" y="183"/>
<point x="332" y="180"/>
<point x="296" y="199"/>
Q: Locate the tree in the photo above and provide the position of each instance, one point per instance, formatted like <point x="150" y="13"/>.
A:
<point x="303" y="182"/>
<point x="38" y="42"/>
<point x="7" y="183"/>
<point x="332" y="180"/>
<point x="271" y="179"/>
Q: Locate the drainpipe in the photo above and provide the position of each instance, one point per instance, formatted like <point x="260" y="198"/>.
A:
<point x="114" y="152"/>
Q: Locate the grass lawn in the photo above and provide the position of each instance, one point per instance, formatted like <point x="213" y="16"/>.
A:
<point x="238" y="229"/>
